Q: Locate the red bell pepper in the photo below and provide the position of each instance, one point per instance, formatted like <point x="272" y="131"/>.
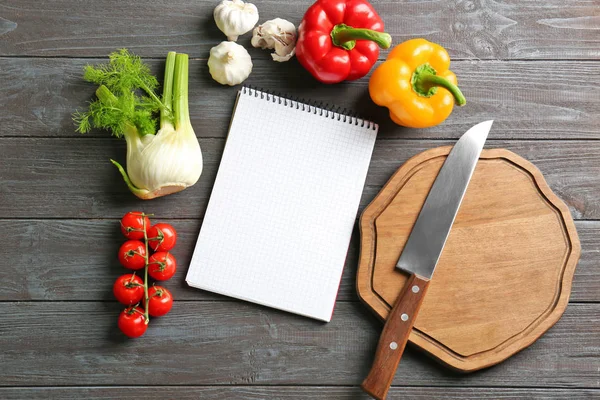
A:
<point x="339" y="39"/>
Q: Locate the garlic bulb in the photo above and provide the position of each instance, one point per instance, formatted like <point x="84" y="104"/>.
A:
<point x="229" y="63"/>
<point x="278" y="34"/>
<point x="234" y="18"/>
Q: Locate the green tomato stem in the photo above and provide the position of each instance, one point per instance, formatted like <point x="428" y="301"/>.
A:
<point x="166" y="116"/>
<point x="146" y="299"/>
<point x="181" y="109"/>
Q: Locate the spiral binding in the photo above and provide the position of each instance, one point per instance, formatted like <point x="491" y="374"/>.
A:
<point x="320" y="109"/>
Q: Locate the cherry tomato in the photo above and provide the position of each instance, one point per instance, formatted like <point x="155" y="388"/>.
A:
<point x="132" y="225"/>
<point x="162" y="265"/>
<point x="160" y="301"/>
<point x="132" y="254"/>
<point x="129" y="289"/>
<point x="132" y="322"/>
<point x="162" y="237"/>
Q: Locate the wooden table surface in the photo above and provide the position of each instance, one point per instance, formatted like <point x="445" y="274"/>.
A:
<point x="532" y="66"/>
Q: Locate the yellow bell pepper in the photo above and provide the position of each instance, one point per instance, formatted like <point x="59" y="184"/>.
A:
<point x="414" y="83"/>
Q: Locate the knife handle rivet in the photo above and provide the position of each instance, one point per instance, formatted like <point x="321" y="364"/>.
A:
<point x="404" y="317"/>
<point x="415" y="289"/>
<point x="393" y="345"/>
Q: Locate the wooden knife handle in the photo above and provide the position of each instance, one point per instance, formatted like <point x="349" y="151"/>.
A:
<point x="394" y="337"/>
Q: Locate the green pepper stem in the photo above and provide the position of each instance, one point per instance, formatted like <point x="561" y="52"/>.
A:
<point x="434" y="80"/>
<point x="180" y="92"/>
<point x="346" y="36"/>
<point x="425" y="82"/>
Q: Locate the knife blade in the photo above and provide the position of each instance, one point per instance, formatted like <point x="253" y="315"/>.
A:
<point x="422" y="253"/>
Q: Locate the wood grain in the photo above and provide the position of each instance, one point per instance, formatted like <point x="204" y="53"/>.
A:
<point x="290" y="393"/>
<point x="72" y="178"/>
<point x="62" y="264"/>
<point x="549" y="100"/>
<point x="78" y="343"/>
<point x="505" y="275"/>
<point x="46" y="263"/>
<point x="469" y="29"/>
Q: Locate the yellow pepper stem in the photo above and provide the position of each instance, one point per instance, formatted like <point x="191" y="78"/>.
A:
<point x="425" y="82"/>
<point x="345" y="36"/>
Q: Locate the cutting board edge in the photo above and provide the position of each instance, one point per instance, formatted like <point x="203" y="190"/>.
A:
<point x="435" y="349"/>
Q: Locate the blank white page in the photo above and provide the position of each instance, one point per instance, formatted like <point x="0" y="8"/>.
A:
<point x="279" y="220"/>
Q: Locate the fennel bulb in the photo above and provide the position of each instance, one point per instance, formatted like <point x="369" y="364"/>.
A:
<point x="158" y="162"/>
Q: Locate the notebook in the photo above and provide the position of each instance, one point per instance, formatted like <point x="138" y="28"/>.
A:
<point x="282" y="210"/>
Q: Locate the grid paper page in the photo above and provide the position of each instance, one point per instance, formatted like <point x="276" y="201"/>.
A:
<point x="279" y="220"/>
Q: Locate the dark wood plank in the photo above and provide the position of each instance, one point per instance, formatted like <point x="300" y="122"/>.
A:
<point x="228" y="343"/>
<point x="471" y="29"/>
<point x="526" y="99"/>
<point x="70" y="178"/>
<point x="45" y="262"/>
<point x="57" y="260"/>
<point x="212" y="340"/>
<point x="289" y="393"/>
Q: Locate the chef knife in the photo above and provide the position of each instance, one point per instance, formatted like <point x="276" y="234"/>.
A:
<point x="422" y="252"/>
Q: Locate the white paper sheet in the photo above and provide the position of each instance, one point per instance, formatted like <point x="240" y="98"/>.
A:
<point x="282" y="210"/>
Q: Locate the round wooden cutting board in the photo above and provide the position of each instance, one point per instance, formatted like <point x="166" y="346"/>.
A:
<point x="505" y="275"/>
